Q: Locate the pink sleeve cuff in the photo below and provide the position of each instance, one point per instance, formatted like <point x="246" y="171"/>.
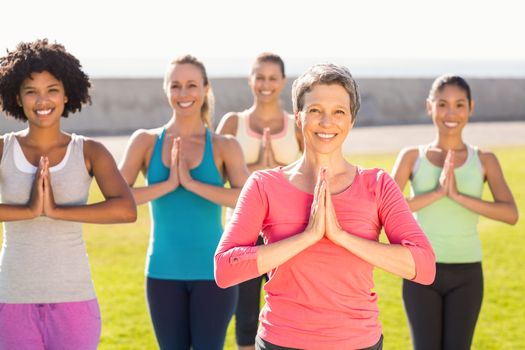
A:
<point x="425" y="262"/>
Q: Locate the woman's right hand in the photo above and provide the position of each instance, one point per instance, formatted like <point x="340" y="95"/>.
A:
<point x="36" y="200"/>
<point x="444" y="177"/>
<point x="265" y="151"/>
<point x="173" y="179"/>
<point x="315" y="230"/>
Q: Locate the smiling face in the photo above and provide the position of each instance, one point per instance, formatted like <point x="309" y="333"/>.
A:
<point x="267" y="81"/>
<point x="450" y="109"/>
<point x="185" y="89"/>
<point x="325" y="119"/>
<point x="42" y="97"/>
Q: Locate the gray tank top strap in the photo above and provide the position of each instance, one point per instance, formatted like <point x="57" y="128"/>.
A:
<point x="8" y="143"/>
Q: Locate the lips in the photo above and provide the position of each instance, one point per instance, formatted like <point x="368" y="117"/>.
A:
<point x="185" y="104"/>
<point x="451" y="124"/>
<point x="44" y="112"/>
<point x="325" y="136"/>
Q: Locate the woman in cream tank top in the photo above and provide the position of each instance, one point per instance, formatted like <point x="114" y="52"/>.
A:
<point x="269" y="138"/>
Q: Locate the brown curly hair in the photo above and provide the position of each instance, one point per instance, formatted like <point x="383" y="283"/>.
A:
<point x="35" y="57"/>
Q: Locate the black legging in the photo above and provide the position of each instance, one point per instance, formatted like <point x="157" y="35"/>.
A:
<point x="247" y="312"/>
<point x="443" y="316"/>
<point x="190" y="314"/>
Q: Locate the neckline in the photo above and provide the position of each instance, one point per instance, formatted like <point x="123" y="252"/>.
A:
<point x="26" y="166"/>
<point x="207" y="137"/>
<point x="470" y="154"/>
<point x="347" y="189"/>
<point x="254" y="134"/>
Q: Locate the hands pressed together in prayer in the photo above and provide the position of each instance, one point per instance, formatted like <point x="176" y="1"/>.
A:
<point x="42" y="202"/>
<point x="323" y="220"/>
<point x="447" y="180"/>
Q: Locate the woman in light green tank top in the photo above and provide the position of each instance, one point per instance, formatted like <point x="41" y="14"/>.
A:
<point x="447" y="178"/>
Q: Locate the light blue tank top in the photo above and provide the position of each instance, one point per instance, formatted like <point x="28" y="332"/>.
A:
<point x="450" y="227"/>
<point x="185" y="228"/>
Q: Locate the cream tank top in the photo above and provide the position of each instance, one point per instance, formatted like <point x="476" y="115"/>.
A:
<point x="44" y="260"/>
<point x="284" y="144"/>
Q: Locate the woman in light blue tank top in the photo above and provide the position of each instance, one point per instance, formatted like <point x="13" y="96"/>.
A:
<point x="447" y="178"/>
<point x="185" y="165"/>
<point x="47" y="298"/>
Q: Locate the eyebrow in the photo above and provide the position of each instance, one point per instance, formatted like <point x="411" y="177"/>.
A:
<point x="458" y="100"/>
<point x="178" y="82"/>
<point x="32" y="87"/>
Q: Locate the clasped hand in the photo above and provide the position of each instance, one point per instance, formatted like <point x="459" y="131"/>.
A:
<point x="266" y="157"/>
<point x="323" y="220"/>
<point x="447" y="179"/>
<point x="179" y="171"/>
<point x="41" y="201"/>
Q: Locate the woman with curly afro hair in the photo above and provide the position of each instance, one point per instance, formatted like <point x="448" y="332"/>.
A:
<point x="47" y="299"/>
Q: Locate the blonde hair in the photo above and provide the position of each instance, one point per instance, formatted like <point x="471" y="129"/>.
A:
<point x="207" y="108"/>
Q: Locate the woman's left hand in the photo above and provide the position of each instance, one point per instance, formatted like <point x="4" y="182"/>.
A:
<point x="185" y="178"/>
<point x="333" y="232"/>
<point x="452" y="186"/>
<point x="49" y="199"/>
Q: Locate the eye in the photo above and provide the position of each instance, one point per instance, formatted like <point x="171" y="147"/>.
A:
<point x="441" y="104"/>
<point x="314" y="110"/>
<point x="340" y="112"/>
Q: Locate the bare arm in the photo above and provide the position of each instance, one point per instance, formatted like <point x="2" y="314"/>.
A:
<point x="118" y="204"/>
<point x="136" y="159"/>
<point x="503" y="208"/>
<point x="228" y="124"/>
<point x="235" y="171"/>
<point x="403" y="171"/>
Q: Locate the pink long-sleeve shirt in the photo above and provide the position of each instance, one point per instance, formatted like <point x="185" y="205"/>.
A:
<point x="321" y="298"/>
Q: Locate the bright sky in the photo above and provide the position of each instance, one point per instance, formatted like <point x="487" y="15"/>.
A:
<point x="117" y="38"/>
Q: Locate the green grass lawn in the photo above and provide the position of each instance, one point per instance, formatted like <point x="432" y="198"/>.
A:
<point x="117" y="255"/>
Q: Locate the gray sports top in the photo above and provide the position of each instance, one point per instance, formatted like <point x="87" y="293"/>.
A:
<point x="44" y="260"/>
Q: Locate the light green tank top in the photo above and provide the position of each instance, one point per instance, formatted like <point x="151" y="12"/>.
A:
<point x="450" y="227"/>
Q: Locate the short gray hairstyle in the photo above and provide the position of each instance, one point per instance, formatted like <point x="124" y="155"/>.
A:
<point x="325" y="74"/>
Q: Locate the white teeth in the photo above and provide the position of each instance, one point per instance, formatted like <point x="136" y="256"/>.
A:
<point x="325" y="136"/>
<point x="43" y="112"/>
<point x="266" y="93"/>
<point x="451" y="124"/>
<point x="185" y="104"/>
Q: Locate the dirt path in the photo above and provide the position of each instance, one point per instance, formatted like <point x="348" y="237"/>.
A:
<point x="383" y="139"/>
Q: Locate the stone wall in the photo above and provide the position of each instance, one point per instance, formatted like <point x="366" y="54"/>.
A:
<point x="123" y="105"/>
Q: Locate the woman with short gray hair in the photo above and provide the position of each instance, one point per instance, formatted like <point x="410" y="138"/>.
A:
<point x="321" y="217"/>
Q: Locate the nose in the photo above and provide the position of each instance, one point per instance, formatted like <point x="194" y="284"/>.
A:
<point x="183" y="92"/>
<point x="326" y="119"/>
<point x="40" y="98"/>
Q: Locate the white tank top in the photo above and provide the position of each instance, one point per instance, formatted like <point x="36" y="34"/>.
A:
<point x="284" y="144"/>
<point x="44" y="260"/>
